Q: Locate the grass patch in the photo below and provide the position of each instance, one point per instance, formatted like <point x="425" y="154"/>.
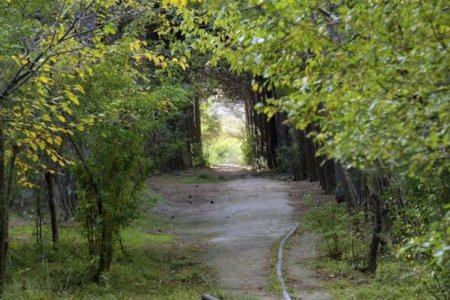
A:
<point x="134" y="237"/>
<point x="274" y="285"/>
<point x="202" y="178"/>
<point x="152" y="266"/>
<point x="393" y="280"/>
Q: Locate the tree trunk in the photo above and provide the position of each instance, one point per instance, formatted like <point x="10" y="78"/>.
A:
<point x="12" y="162"/>
<point x="328" y="177"/>
<point x="51" y="197"/>
<point x="351" y="196"/>
<point x="106" y="251"/>
<point x="4" y="212"/>
<point x="38" y="220"/>
<point x="313" y="170"/>
<point x="302" y="174"/>
<point x="66" y="196"/>
<point x="376" y="234"/>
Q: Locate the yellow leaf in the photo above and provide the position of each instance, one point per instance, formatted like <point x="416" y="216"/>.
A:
<point x="80" y="89"/>
<point x="72" y="97"/>
<point x="34" y="146"/>
<point x="61" y="118"/>
<point x="42" y="145"/>
<point x="174" y="2"/>
<point x="41" y="91"/>
<point x="136" y="45"/>
<point x="44" y="79"/>
<point x="58" y="140"/>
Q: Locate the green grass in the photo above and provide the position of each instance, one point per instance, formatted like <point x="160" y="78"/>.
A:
<point x="202" y="178"/>
<point x="393" y="280"/>
<point x="274" y="285"/>
<point x="152" y="266"/>
<point x="134" y="237"/>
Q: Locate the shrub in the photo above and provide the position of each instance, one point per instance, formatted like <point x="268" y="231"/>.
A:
<point x="342" y="239"/>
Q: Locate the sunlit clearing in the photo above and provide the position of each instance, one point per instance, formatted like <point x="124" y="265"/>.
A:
<point x="223" y="128"/>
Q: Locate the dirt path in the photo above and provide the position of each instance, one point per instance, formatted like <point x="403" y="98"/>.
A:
<point x="238" y="220"/>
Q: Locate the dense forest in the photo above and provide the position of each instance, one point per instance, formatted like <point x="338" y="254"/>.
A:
<point x="96" y="96"/>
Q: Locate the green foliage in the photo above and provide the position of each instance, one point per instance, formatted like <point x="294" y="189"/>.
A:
<point x="336" y="228"/>
<point x="288" y="159"/>
<point x="370" y="76"/>
<point x="394" y="280"/>
<point x="344" y="68"/>
<point x="222" y="135"/>
<point x="226" y="151"/>
<point x="211" y="125"/>
<point x="344" y="239"/>
<point x="150" y="267"/>
<point x="252" y="154"/>
<point x="432" y="249"/>
<point x="111" y="172"/>
<point x="420" y="229"/>
<point x="169" y="140"/>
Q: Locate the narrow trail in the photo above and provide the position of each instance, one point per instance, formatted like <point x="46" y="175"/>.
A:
<point x="238" y="221"/>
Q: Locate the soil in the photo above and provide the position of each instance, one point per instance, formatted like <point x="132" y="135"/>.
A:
<point x="237" y="221"/>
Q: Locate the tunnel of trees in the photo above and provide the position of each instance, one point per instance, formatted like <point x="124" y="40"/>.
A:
<point x="95" y="96"/>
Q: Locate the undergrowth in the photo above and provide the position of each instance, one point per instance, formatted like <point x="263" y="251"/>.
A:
<point x="342" y="257"/>
<point x="149" y="266"/>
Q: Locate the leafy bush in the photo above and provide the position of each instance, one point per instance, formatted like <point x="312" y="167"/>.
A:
<point x="287" y="160"/>
<point x="337" y="228"/>
<point x="252" y="155"/>
<point x="433" y="250"/>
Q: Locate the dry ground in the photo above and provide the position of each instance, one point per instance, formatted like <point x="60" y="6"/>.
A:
<point x="238" y="220"/>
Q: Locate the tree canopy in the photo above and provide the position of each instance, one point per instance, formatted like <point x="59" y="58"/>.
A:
<point x="353" y="94"/>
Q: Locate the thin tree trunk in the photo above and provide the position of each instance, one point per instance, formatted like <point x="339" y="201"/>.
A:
<point x="351" y="195"/>
<point x="106" y="251"/>
<point x="376" y="234"/>
<point x="303" y="172"/>
<point x="38" y="220"/>
<point x="311" y="160"/>
<point x="4" y="212"/>
<point x="12" y="162"/>
<point x="50" y="180"/>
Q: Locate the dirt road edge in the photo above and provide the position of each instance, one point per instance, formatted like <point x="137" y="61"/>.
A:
<point x="279" y="265"/>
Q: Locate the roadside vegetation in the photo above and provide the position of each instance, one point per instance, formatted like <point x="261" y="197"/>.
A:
<point x="98" y="95"/>
<point x="342" y="244"/>
<point x="149" y="264"/>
